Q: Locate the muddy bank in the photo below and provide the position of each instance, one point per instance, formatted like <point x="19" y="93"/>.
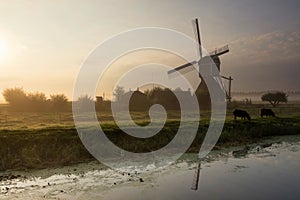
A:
<point x="61" y="146"/>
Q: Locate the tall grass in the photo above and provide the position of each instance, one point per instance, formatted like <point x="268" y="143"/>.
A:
<point x="60" y="145"/>
<point x="41" y="140"/>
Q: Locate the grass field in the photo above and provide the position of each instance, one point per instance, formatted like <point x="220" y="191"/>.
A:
<point x="41" y="140"/>
<point x="39" y="120"/>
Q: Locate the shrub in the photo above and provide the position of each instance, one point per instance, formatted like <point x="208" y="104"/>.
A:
<point x="274" y="98"/>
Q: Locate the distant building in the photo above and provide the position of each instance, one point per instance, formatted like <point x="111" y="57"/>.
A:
<point x="99" y="99"/>
<point x="102" y="105"/>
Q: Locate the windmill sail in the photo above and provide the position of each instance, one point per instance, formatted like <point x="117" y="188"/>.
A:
<point x="220" y="51"/>
<point x="196" y="177"/>
<point x="182" y="67"/>
<point x="198" y="37"/>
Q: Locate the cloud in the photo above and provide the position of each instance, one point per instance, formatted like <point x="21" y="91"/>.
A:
<point x="267" y="61"/>
<point x="272" y="47"/>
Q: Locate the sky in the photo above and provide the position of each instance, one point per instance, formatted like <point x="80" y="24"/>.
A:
<point x="44" y="43"/>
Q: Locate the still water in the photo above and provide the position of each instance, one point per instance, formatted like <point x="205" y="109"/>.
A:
<point x="269" y="169"/>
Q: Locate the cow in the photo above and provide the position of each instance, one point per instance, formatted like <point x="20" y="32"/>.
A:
<point x="266" y="112"/>
<point x="241" y="113"/>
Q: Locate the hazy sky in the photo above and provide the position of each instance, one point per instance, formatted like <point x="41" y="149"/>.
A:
<point x="43" y="43"/>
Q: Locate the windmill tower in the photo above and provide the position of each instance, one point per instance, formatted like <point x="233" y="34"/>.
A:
<point x="208" y="62"/>
<point x="202" y="93"/>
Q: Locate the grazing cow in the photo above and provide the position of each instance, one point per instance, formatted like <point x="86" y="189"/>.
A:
<point x="241" y="113"/>
<point x="266" y="112"/>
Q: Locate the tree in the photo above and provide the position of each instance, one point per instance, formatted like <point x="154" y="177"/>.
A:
<point x="85" y="103"/>
<point x="16" y="97"/>
<point x="178" y="89"/>
<point x="274" y="98"/>
<point x="147" y="92"/>
<point x="118" y="93"/>
<point x="19" y="100"/>
<point x="59" y="101"/>
<point x="37" y="97"/>
<point x="164" y="97"/>
<point x="154" y="92"/>
<point x="37" y="101"/>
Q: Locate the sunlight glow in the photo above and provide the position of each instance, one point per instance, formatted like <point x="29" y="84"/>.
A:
<point x="3" y="49"/>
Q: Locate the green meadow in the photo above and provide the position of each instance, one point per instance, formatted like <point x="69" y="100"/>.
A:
<point x="49" y="139"/>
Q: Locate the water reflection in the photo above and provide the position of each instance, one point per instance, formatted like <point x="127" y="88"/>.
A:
<point x="266" y="170"/>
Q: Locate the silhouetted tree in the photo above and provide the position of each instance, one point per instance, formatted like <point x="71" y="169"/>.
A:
<point x="154" y="92"/>
<point x="178" y="89"/>
<point x="274" y="98"/>
<point x="118" y="93"/>
<point x="19" y="100"/>
<point x="165" y="97"/>
<point x="16" y="97"/>
<point x="37" y="101"/>
<point x="59" y="102"/>
<point x="85" y="102"/>
<point x="37" y="97"/>
<point x="147" y="92"/>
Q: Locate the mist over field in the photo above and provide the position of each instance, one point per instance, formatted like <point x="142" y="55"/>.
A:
<point x="43" y="44"/>
<point x="93" y="105"/>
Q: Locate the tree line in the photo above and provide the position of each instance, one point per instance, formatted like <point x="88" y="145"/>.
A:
<point x="20" y="100"/>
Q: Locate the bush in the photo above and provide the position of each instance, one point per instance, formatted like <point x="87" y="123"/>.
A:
<point x="118" y="93"/>
<point x="19" y="100"/>
<point x="274" y="98"/>
<point x="59" y="102"/>
<point x="85" y="103"/>
<point x="37" y="101"/>
<point x="16" y="97"/>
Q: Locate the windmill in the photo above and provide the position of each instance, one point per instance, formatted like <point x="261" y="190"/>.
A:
<point x="202" y="90"/>
<point x="206" y="61"/>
